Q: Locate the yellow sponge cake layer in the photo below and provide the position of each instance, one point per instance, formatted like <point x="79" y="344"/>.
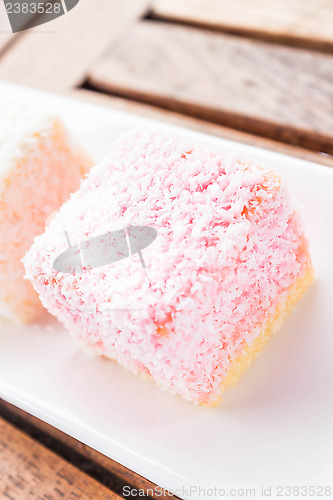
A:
<point x="270" y="326"/>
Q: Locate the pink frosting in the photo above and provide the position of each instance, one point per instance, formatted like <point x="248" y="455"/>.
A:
<point x="228" y="248"/>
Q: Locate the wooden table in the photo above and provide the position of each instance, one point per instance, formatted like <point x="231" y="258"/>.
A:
<point x="247" y="70"/>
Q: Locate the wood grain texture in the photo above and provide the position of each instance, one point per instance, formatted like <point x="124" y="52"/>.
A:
<point x="124" y="475"/>
<point x="28" y="470"/>
<point x="55" y="56"/>
<point x="198" y="125"/>
<point x="278" y="92"/>
<point x="304" y="22"/>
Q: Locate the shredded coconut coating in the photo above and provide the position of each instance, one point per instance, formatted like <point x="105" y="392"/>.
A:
<point x="40" y="164"/>
<point x="229" y="246"/>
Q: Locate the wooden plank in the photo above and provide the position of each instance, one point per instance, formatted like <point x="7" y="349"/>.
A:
<point x="122" y="475"/>
<point x="55" y="56"/>
<point x="277" y="92"/>
<point x="303" y="22"/>
<point x="178" y="119"/>
<point x="29" y="470"/>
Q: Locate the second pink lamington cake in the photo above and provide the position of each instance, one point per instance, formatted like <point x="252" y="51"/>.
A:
<point x="228" y="263"/>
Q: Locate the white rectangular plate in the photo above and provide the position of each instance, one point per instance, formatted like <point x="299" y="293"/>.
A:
<point x="275" y="428"/>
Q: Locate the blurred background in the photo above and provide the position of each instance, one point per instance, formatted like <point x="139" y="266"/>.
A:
<point x="249" y="70"/>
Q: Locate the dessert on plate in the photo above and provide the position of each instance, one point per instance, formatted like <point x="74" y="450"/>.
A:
<point x="40" y="165"/>
<point x="194" y="307"/>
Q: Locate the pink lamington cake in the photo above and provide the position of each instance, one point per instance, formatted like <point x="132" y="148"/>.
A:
<point x="228" y="263"/>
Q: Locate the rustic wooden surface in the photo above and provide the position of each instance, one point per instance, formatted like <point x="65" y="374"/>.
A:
<point x="99" y="466"/>
<point x="303" y="22"/>
<point x="55" y="56"/>
<point x="156" y="113"/>
<point x="29" y="470"/>
<point x="236" y="87"/>
<point x="279" y="92"/>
